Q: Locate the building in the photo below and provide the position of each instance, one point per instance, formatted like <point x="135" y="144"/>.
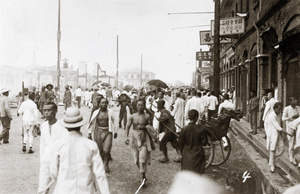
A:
<point x="133" y="77"/>
<point x="267" y="52"/>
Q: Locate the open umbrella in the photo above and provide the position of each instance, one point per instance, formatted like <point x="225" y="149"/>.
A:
<point x="158" y="83"/>
<point x="105" y="84"/>
<point x="96" y="83"/>
<point x="128" y="87"/>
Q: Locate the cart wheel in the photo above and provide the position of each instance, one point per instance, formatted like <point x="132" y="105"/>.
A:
<point x="209" y="153"/>
<point x="221" y="154"/>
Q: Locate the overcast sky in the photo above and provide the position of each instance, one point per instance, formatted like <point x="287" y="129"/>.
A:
<point x="90" y="28"/>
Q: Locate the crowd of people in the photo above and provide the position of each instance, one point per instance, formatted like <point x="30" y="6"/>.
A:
<point x="150" y="118"/>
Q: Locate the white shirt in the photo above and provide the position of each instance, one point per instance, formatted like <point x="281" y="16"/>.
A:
<point x="212" y="102"/>
<point x="288" y="113"/>
<point x="78" y="92"/>
<point x="29" y="110"/>
<point x="148" y="102"/>
<point x="48" y="137"/>
<point x="269" y="108"/>
<point x="226" y="104"/>
<point x="86" y="95"/>
<point x="193" y="103"/>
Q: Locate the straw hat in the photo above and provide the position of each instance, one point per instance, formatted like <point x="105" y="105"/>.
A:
<point x="26" y="91"/>
<point x="3" y="90"/>
<point x="72" y="118"/>
<point x="49" y="86"/>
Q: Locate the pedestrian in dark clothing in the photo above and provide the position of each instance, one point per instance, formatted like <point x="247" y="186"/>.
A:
<point x="67" y="98"/>
<point x="253" y="109"/>
<point x="124" y="101"/>
<point x="50" y="93"/>
<point x="42" y="99"/>
<point x="166" y="125"/>
<point x="5" y="115"/>
<point x="191" y="140"/>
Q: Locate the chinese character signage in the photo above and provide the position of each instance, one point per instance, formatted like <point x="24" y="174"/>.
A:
<point x="204" y="56"/>
<point x="205" y="70"/>
<point x="206" y="38"/>
<point x="229" y="26"/>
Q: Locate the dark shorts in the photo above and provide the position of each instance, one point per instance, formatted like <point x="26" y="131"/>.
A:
<point x="169" y="137"/>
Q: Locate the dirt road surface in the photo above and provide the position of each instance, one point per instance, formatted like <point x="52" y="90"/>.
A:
<point x="19" y="171"/>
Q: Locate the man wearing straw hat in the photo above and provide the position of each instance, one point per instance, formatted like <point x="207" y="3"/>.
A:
<point x="76" y="166"/>
<point x="50" y="93"/>
<point x="5" y="115"/>
<point x="103" y="129"/>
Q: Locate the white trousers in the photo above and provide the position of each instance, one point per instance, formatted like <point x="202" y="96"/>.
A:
<point x="291" y="144"/>
<point x="28" y="128"/>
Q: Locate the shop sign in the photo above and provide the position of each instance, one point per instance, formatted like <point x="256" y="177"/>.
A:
<point x="230" y="26"/>
<point x="230" y="53"/>
<point x="206" y="38"/>
<point x="204" y="56"/>
<point x="205" y="70"/>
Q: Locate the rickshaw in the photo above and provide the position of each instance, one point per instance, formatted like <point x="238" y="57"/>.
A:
<point x="215" y="152"/>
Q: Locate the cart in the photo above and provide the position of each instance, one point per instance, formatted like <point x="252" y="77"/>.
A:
<point x="215" y="152"/>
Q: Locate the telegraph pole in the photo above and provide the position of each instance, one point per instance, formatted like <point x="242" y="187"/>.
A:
<point x="141" y="70"/>
<point x="97" y="71"/>
<point x="216" y="77"/>
<point x="58" y="49"/>
<point x="117" y="75"/>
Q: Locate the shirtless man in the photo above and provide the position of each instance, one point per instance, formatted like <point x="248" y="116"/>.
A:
<point x="102" y="126"/>
<point x="141" y="142"/>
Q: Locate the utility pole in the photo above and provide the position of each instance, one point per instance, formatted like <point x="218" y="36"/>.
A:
<point x="97" y="71"/>
<point x="58" y="49"/>
<point x="141" y="70"/>
<point x="117" y="75"/>
<point x="216" y="77"/>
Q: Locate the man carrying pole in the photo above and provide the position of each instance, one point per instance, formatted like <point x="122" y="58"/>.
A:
<point x="167" y="128"/>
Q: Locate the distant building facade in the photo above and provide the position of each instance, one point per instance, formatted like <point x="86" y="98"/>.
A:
<point x="133" y="77"/>
<point x="267" y="52"/>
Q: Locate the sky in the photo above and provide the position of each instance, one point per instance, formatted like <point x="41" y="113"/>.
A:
<point x="89" y="33"/>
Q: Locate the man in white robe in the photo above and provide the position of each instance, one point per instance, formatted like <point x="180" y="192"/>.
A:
<point x="76" y="165"/>
<point x="291" y="113"/>
<point x="274" y="139"/>
<point x="178" y="112"/>
<point x="51" y="131"/>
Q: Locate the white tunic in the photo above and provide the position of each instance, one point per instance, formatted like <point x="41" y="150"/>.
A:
<point x="178" y="113"/>
<point x="273" y="124"/>
<point x="30" y="112"/>
<point x="76" y="166"/>
<point x="193" y="103"/>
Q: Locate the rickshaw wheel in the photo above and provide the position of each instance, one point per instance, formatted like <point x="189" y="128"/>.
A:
<point x="209" y="153"/>
<point x="221" y="154"/>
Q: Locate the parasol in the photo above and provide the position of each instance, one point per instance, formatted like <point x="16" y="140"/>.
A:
<point x="158" y="83"/>
<point x="105" y="84"/>
<point x="128" y="88"/>
<point x="96" y="83"/>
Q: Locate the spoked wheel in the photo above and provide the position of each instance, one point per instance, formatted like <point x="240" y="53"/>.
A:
<point x="221" y="154"/>
<point x="209" y="153"/>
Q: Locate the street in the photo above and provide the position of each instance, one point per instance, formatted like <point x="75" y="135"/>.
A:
<point x="19" y="171"/>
